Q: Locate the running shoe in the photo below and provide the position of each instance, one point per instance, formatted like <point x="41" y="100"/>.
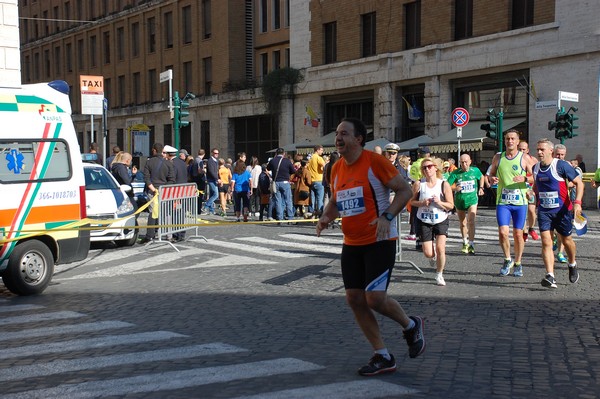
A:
<point x="525" y="236"/>
<point x="465" y="248"/>
<point x="378" y="365"/>
<point x="471" y="249"/>
<point x="415" y="338"/>
<point x="533" y="234"/>
<point x="518" y="271"/>
<point x="573" y="274"/>
<point x="549" y="282"/>
<point x="554" y="244"/>
<point x="411" y="237"/>
<point x="505" y="270"/>
<point x="561" y="257"/>
<point x="439" y="279"/>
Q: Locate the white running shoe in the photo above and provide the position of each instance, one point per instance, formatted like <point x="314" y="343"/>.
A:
<point x="439" y="279"/>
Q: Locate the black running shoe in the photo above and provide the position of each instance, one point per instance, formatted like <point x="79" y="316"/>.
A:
<point x="415" y="338"/>
<point x="378" y="365"/>
<point x="549" y="282"/>
<point x="573" y="274"/>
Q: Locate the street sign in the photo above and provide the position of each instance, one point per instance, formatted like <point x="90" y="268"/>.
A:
<point x="166" y="75"/>
<point x="92" y="94"/>
<point x="460" y="117"/>
<point x="566" y="96"/>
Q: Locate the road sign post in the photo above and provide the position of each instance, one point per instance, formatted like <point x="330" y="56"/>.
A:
<point x="460" y="118"/>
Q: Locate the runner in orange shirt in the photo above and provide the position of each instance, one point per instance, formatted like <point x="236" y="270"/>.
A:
<point x="361" y="182"/>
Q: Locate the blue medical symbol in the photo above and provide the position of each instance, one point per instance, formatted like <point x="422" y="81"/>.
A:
<point x="15" y="161"/>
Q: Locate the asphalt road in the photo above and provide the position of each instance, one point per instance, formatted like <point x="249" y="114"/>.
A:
<point x="259" y="311"/>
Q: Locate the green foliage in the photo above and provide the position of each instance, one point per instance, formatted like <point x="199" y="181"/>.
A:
<point x="275" y="82"/>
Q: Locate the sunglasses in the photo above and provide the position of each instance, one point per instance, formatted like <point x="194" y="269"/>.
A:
<point x="392" y="152"/>
<point x="428" y="166"/>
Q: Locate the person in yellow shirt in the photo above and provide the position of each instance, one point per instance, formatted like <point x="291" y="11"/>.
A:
<point x="315" y="167"/>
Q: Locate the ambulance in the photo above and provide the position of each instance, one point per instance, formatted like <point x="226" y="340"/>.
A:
<point x="42" y="186"/>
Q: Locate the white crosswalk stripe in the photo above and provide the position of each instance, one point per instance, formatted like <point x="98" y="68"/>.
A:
<point x="71" y="362"/>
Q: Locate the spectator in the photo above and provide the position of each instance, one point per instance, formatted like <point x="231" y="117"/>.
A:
<point x="255" y="171"/>
<point x="115" y="150"/>
<point x="224" y="187"/>
<point x="241" y="186"/>
<point x="282" y="169"/>
<point x="213" y="180"/>
<point x="315" y="168"/>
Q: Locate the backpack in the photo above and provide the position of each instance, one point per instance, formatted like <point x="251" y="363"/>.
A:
<point x="264" y="183"/>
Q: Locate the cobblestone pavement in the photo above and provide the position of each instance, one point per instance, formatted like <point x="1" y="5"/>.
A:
<point x="259" y="311"/>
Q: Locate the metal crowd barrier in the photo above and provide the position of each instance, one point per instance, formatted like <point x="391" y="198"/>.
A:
<point x="399" y="242"/>
<point x="178" y="206"/>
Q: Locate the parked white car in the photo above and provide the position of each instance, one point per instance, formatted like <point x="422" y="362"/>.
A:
<point x="106" y="200"/>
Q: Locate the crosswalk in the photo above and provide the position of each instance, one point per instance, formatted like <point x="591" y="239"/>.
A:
<point x="253" y="249"/>
<point x="67" y="363"/>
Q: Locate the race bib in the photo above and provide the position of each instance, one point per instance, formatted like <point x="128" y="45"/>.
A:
<point x="549" y="199"/>
<point x="511" y="196"/>
<point x="427" y="215"/>
<point x="351" y="202"/>
<point x="467" y="186"/>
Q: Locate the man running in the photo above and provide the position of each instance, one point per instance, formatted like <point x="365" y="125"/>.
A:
<point x="510" y="170"/>
<point x="550" y="182"/>
<point x="468" y="188"/>
<point x="360" y="183"/>
<point x="531" y="203"/>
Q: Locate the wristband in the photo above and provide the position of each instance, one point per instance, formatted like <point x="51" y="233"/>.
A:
<point x="578" y="202"/>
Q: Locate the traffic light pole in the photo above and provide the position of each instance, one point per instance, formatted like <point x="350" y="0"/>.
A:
<point x="176" y="118"/>
<point x="500" y="131"/>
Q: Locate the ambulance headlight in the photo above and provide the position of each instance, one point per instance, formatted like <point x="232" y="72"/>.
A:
<point x="125" y="208"/>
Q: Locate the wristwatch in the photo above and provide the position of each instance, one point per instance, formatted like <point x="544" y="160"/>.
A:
<point x="388" y="216"/>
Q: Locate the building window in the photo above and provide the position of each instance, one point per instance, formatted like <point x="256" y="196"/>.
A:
<point x="25" y="26"/>
<point x="105" y="9"/>
<point x="135" y="39"/>
<point x="46" y="24"/>
<point x="151" y="35"/>
<point x="187" y="24"/>
<point x="67" y="14"/>
<point x="106" y="40"/>
<point x="80" y="54"/>
<point x="522" y="13"/>
<point x="276" y="59"/>
<point x="206" y="19"/>
<point x="91" y="14"/>
<point x="36" y="32"/>
<point x="152" y="82"/>
<point x="121" y="137"/>
<point x="168" y="133"/>
<point x="47" y="63"/>
<point x="69" y="57"/>
<point x="463" y="19"/>
<point x="207" y="72"/>
<point x="351" y="108"/>
<point x="121" y="43"/>
<point x="286" y="13"/>
<point x="57" y="70"/>
<point x="412" y="12"/>
<point x="55" y="22"/>
<point x="264" y="65"/>
<point x="330" y="36"/>
<point x="188" y="77"/>
<point x="36" y="67"/>
<point x="27" y="65"/>
<point x="263" y="18"/>
<point x="93" y="51"/>
<point x="287" y="57"/>
<point x="122" y="88"/>
<point x="276" y="12"/>
<point x="369" y="34"/>
<point x="137" y="88"/>
<point x="168" y="29"/>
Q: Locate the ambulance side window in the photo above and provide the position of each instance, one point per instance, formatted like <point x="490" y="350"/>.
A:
<point x="34" y="160"/>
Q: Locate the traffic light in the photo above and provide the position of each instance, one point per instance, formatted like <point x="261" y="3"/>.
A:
<point x="492" y="127"/>
<point x="560" y="124"/>
<point x="571" y="119"/>
<point x="183" y="113"/>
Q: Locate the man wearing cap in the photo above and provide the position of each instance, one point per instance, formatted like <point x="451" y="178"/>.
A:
<point x="391" y="153"/>
<point x="157" y="171"/>
<point x="315" y="166"/>
<point x="467" y="184"/>
<point x="550" y="184"/>
<point x="445" y="170"/>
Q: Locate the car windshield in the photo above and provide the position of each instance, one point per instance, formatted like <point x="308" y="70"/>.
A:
<point x="98" y="178"/>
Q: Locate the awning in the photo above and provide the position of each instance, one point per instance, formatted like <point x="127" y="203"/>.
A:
<point x="382" y="142"/>
<point x="307" y="146"/>
<point x="414" y="143"/>
<point x="472" y="137"/>
<point x="287" y="148"/>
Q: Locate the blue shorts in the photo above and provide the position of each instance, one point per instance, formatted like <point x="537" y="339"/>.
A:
<point x="561" y="221"/>
<point x="518" y="214"/>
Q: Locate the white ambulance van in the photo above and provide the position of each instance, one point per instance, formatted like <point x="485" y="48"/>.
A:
<point x="42" y="186"/>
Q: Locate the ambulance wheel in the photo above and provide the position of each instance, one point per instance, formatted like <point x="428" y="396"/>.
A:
<point x="30" y="268"/>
